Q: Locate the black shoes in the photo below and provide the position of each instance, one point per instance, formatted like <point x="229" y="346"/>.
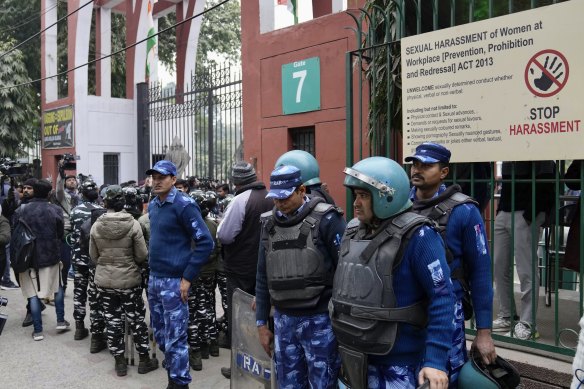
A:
<point x="205" y="351"/>
<point x="80" y="331"/>
<point x="214" y="348"/>
<point x="223" y="341"/>
<point x="27" y="320"/>
<point x="98" y="343"/>
<point x="121" y="365"/>
<point x="195" y="360"/>
<point x="226" y="371"/>
<point x="147" y="364"/>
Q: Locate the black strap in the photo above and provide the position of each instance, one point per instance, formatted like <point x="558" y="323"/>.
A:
<point x="414" y="314"/>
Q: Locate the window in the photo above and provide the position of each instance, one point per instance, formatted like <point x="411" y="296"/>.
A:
<point x="111" y="169"/>
<point x="303" y="139"/>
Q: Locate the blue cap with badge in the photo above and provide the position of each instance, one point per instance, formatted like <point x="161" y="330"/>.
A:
<point x="429" y="152"/>
<point x="164" y="167"/>
<point x="283" y="182"/>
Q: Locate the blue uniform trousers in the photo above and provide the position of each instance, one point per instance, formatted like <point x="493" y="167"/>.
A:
<point x="392" y="377"/>
<point x="305" y="352"/>
<point x="457" y="356"/>
<point x="169" y="317"/>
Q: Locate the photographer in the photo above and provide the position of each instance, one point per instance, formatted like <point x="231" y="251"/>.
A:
<point x="67" y="198"/>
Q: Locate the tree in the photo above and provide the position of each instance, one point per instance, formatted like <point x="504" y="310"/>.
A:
<point x="220" y="36"/>
<point x="18" y="112"/>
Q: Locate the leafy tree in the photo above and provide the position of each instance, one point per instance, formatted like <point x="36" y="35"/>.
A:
<point x="220" y="36"/>
<point x="18" y="113"/>
<point x="20" y="20"/>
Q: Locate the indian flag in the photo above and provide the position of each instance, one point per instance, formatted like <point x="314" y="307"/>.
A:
<point x="151" y="49"/>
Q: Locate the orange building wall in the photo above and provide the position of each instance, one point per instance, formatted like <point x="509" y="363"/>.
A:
<point x="265" y="128"/>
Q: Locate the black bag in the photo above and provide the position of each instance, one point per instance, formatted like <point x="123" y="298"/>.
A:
<point x="22" y="244"/>
<point x="85" y="229"/>
<point x="84" y="234"/>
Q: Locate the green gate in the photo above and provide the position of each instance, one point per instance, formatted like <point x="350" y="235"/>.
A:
<point x="374" y="127"/>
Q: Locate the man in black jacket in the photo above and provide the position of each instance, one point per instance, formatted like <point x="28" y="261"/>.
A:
<point x="239" y="234"/>
<point x="46" y="222"/>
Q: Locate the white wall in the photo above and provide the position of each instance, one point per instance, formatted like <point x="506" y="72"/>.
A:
<point x="106" y="125"/>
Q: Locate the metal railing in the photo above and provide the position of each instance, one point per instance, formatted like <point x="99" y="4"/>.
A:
<point x="373" y="117"/>
<point x="205" y="117"/>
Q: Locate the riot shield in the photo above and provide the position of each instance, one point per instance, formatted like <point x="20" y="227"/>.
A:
<point x="251" y="367"/>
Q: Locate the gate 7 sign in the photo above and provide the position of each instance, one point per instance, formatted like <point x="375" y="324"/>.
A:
<point x="301" y="86"/>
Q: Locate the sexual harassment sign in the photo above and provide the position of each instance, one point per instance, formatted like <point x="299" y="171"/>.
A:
<point x="507" y="88"/>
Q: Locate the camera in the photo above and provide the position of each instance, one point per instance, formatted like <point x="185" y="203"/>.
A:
<point x="69" y="162"/>
<point x="12" y="168"/>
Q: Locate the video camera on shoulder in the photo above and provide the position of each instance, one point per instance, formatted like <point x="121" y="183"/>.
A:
<point x="11" y="168"/>
<point x="69" y="162"/>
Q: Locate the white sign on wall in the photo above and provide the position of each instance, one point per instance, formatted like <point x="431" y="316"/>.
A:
<point x="507" y="88"/>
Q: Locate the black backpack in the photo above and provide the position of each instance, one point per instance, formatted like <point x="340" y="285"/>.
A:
<point x="22" y="244"/>
<point x="85" y="230"/>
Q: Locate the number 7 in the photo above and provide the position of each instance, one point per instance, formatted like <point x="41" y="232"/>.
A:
<point x="302" y="75"/>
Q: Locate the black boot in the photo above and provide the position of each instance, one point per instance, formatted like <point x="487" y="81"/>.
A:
<point x="80" y="331"/>
<point x="195" y="360"/>
<point x="147" y="364"/>
<point x="174" y="385"/>
<point x="205" y="351"/>
<point x="121" y="366"/>
<point x="214" y="348"/>
<point x="226" y="372"/>
<point x="98" y="343"/>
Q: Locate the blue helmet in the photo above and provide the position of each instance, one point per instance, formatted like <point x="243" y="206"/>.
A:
<point x="387" y="182"/>
<point x="305" y="162"/>
<point x="500" y="375"/>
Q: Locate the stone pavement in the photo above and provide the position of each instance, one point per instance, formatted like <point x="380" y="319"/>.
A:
<point x="62" y="363"/>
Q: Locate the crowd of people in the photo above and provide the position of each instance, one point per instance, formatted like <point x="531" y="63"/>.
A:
<point x="377" y="301"/>
<point x="98" y="237"/>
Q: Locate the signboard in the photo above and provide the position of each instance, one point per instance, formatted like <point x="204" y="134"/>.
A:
<point x="58" y="129"/>
<point x="301" y="86"/>
<point x="500" y="89"/>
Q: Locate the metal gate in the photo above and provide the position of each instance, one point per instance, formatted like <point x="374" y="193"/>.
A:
<point x="374" y="127"/>
<point x="204" y="119"/>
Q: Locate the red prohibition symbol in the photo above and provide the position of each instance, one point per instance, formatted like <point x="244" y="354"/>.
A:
<point x="546" y="73"/>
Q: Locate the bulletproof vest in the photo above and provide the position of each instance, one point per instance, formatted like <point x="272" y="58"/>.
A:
<point x="363" y="306"/>
<point x="295" y="268"/>
<point x="439" y="209"/>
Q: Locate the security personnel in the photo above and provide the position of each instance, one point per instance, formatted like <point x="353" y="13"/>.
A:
<point x="202" y="330"/>
<point x="310" y="171"/>
<point x="117" y="248"/>
<point x="392" y="300"/>
<point x="84" y="287"/>
<point x="296" y="264"/>
<point x="463" y="232"/>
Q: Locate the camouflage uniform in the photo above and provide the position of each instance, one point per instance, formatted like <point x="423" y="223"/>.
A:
<point x="202" y="319"/>
<point x="168" y="315"/>
<point x="118" y="303"/>
<point x="84" y="287"/>
<point x="202" y="316"/>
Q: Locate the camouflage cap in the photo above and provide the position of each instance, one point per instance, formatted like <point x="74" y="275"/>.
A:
<point x="113" y="191"/>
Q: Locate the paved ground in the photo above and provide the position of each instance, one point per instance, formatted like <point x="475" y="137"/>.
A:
<point x="61" y="362"/>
